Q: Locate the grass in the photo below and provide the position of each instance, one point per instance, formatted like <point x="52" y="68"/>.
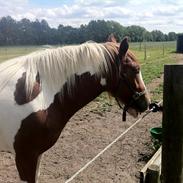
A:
<point x="152" y="66"/>
<point x="157" y="55"/>
<point x="8" y="52"/>
<point x="158" y="93"/>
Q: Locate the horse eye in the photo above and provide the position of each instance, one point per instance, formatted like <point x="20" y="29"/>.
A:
<point x="127" y="61"/>
<point x="136" y="69"/>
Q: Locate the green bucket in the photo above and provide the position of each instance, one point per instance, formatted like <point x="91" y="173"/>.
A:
<point x="156" y="133"/>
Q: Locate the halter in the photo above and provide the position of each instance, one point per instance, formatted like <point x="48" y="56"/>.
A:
<point x="135" y="97"/>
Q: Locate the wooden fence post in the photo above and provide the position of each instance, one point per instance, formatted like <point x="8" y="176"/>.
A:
<point x="172" y="148"/>
<point x="140" y="46"/>
<point x="145" y="51"/>
<point x="152" y="174"/>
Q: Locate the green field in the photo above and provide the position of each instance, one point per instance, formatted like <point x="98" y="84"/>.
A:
<point x="157" y="54"/>
<point x="8" y="52"/>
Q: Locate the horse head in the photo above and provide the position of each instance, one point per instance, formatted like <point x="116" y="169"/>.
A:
<point x="130" y="89"/>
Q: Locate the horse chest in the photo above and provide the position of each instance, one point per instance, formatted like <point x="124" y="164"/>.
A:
<point x="12" y="114"/>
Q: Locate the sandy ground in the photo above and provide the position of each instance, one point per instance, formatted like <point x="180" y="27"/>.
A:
<point x="85" y="135"/>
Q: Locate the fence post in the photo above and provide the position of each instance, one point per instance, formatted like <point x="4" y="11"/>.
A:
<point x="172" y="148"/>
<point x="152" y="175"/>
<point x="145" y="51"/>
<point x="140" y="46"/>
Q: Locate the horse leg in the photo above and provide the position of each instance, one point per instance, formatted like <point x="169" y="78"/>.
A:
<point x="38" y="168"/>
<point x="34" y="137"/>
<point x="28" y="166"/>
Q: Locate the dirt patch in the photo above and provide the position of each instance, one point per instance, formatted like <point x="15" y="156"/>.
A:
<point x="85" y="135"/>
<point x="178" y="58"/>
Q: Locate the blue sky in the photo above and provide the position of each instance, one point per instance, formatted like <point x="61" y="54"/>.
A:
<point x="164" y="15"/>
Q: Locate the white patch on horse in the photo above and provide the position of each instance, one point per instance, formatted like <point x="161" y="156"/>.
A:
<point x="103" y="82"/>
<point x="55" y="67"/>
<point x="38" y="168"/>
<point x="85" y="68"/>
<point x="141" y="80"/>
<point x="147" y="93"/>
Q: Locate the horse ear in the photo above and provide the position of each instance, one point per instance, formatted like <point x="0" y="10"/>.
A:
<point x="123" y="48"/>
<point x="112" y="38"/>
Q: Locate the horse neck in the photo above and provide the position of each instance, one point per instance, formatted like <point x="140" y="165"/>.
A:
<point x="87" y="87"/>
<point x="89" y="78"/>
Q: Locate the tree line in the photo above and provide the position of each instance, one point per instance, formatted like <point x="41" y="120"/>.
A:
<point x="26" y="32"/>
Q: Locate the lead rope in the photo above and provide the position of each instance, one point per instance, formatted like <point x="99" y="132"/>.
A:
<point x="115" y="140"/>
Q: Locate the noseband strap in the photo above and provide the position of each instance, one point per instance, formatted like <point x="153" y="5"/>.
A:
<point x="135" y="97"/>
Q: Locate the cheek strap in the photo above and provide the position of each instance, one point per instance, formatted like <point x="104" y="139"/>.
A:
<point x="134" y="99"/>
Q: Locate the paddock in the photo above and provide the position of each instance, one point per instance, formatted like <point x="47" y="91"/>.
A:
<point x="93" y="132"/>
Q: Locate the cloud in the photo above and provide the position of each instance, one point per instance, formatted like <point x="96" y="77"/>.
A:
<point x="152" y="14"/>
<point x="101" y="3"/>
<point x="12" y="7"/>
<point x="169" y="10"/>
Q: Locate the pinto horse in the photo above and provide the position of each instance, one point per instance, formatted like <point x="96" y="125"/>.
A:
<point x="41" y="91"/>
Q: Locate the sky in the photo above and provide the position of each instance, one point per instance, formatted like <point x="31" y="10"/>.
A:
<point x="164" y="15"/>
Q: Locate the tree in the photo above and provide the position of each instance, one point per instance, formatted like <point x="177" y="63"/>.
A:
<point x="172" y="36"/>
<point x="147" y="36"/>
<point x="26" y="32"/>
<point x="135" y="33"/>
<point x="8" y="29"/>
<point x="158" y="35"/>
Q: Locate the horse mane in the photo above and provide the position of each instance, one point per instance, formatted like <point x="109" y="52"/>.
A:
<point x="131" y="55"/>
<point x="56" y="66"/>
